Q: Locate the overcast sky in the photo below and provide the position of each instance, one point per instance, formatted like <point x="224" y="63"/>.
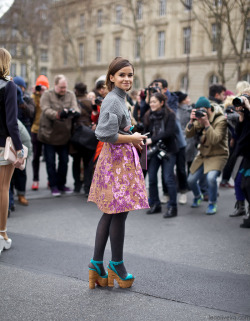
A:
<point x="4" y="6"/>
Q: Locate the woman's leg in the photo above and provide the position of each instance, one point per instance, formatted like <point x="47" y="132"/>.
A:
<point x="102" y="234"/>
<point x="6" y="172"/>
<point x="117" y="234"/>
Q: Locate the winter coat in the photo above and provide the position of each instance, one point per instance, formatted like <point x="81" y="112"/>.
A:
<point x="213" y="147"/>
<point x="52" y="130"/>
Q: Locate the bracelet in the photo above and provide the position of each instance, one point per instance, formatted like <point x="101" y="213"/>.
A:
<point x="20" y="153"/>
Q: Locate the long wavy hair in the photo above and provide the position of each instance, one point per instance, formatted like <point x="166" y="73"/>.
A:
<point x="5" y="59"/>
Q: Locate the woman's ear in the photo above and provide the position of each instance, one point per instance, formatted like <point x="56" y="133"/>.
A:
<point x="111" y="78"/>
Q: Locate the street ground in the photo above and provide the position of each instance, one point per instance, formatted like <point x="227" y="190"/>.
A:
<point x="193" y="267"/>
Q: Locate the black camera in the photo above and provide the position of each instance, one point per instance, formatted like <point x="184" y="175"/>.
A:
<point x="38" y="88"/>
<point x="160" y="149"/>
<point x="200" y="112"/>
<point x="99" y="100"/>
<point x="152" y="90"/>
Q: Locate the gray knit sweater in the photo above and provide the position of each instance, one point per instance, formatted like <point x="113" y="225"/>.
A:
<point x="114" y="117"/>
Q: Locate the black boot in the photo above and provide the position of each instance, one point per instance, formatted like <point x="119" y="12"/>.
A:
<point x="171" y="212"/>
<point x="239" y="209"/>
<point x="156" y="208"/>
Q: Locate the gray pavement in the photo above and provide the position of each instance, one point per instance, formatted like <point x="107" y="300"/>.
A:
<point x="192" y="267"/>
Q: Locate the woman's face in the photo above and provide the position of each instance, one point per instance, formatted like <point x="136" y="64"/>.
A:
<point x="155" y="104"/>
<point x="123" y="78"/>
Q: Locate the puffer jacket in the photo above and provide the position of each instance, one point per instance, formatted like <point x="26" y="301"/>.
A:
<point x="213" y="147"/>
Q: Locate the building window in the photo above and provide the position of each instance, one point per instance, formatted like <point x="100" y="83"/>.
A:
<point x="82" y="20"/>
<point x="138" y="45"/>
<point x="217" y="3"/>
<point x="136" y="83"/>
<point x="161" y="44"/>
<point x="13" y="70"/>
<point x="214" y="37"/>
<point x="139" y="10"/>
<point x="188" y="4"/>
<point x="24" y="50"/>
<point x="23" y="70"/>
<point x="184" y="83"/>
<point x="98" y="51"/>
<point x="118" y="15"/>
<point x="44" y="71"/>
<point x="162" y="7"/>
<point x="213" y="80"/>
<point x="187" y="40"/>
<point x="45" y="36"/>
<point x="13" y="49"/>
<point x="247" y="41"/>
<point x="117" y="47"/>
<point x="99" y="18"/>
<point x="14" y="32"/>
<point x="246" y="77"/>
<point x="81" y="54"/>
<point x="44" y="55"/>
<point x="65" y="55"/>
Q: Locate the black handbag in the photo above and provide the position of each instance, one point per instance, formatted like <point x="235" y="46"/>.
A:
<point x="84" y="136"/>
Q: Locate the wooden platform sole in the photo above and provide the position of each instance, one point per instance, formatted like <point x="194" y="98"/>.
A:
<point x="123" y="284"/>
<point x="95" y="278"/>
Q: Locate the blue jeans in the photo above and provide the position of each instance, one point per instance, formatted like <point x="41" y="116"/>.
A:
<point x="57" y="177"/>
<point x="168" y="176"/>
<point x="211" y="182"/>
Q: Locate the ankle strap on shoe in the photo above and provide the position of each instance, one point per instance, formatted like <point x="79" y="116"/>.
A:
<point x="3" y="231"/>
<point x="96" y="266"/>
<point x="116" y="263"/>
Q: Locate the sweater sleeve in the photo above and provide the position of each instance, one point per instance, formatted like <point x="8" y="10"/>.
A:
<point x="107" y="128"/>
<point x="11" y="114"/>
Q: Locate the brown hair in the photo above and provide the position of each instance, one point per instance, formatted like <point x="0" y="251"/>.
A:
<point x="117" y="64"/>
<point x="5" y="59"/>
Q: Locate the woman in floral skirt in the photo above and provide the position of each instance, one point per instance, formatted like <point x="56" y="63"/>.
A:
<point x="118" y="184"/>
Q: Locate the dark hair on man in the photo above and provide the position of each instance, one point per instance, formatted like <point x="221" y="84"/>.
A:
<point x="117" y="64"/>
<point x="216" y="89"/>
<point x="163" y="82"/>
<point x="80" y="88"/>
<point x="100" y="84"/>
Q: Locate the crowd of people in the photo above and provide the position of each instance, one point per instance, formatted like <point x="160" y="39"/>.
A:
<point x="105" y="131"/>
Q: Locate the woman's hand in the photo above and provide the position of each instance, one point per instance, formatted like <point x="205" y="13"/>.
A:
<point x="19" y="162"/>
<point x="137" y="138"/>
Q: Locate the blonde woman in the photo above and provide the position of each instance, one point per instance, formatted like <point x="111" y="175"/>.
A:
<point x="8" y="127"/>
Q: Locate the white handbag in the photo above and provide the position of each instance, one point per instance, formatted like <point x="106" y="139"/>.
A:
<point x="10" y="152"/>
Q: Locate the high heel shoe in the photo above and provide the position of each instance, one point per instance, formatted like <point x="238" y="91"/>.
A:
<point x="113" y="275"/>
<point x="95" y="275"/>
<point x="4" y="244"/>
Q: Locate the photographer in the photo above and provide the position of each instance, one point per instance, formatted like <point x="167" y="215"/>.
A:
<point x="59" y="107"/>
<point x="242" y="107"/>
<point x="162" y="148"/>
<point x="211" y="125"/>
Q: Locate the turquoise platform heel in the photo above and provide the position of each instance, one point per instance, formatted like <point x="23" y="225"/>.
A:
<point x="113" y="275"/>
<point x="95" y="276"/>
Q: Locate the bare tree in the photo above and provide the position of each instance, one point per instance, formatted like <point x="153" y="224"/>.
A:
<point x="223" y="20"/>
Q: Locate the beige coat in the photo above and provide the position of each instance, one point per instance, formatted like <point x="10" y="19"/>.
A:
<point x="213" y="147"/>
<point x="52" y="130"/>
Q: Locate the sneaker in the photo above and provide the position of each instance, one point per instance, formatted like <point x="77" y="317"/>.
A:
<point x="226" y="185"/>
<point x="197" y="201"/>
<point x="164" y="198"/>
<point x="211" y="209"/>
<point x="183" y="198"/>
<point x="35" y="186"/>
<point x="55" y="192"/>
<point x="66" y="190"/>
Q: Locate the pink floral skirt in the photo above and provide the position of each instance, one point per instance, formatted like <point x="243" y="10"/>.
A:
<point x="118" y="183"/>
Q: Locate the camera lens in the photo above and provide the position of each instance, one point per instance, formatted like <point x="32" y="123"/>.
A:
<point x="238" y="101"/>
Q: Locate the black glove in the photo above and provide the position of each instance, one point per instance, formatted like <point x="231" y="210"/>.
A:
<point x="63" y="114"/>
